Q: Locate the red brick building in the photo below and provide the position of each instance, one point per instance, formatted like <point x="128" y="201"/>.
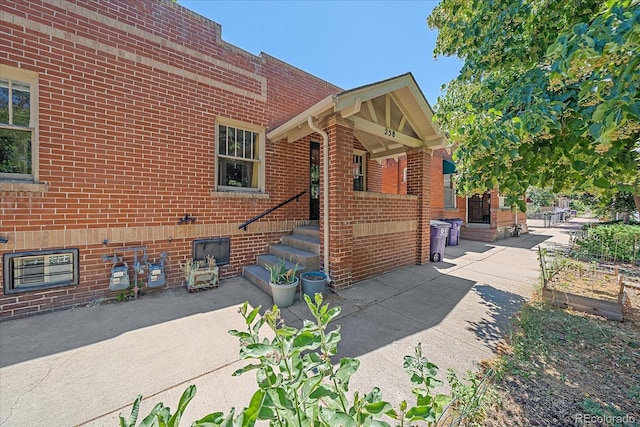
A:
<point x="131" y="128"/>
<point x="486" y="217"/>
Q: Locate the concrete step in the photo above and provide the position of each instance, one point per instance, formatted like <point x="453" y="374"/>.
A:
<point x="301" y="248"/>
<point x="478" y="234"/>
<point x="268" y="259"/>
<point x="259" y="276"/>
<point x="307" y="259"/>
<point x="308" y="230"/>
<point x="300" y="241"/>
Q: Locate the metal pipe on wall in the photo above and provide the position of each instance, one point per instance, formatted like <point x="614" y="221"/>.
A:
<point x="325" y="196"/>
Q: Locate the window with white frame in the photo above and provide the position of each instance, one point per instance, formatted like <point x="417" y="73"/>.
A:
<point x="29" y="271"/>
<point x="239" y="156"/>
<point x="18" y="123"/>
<point x="359" y="171"/>
<point x="449" y="191"/>
<point x="502" y="200"/>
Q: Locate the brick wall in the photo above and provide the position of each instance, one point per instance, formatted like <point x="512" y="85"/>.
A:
<point x="390" y="176"/>
<point x="437" y="190"/>
<point x="128" y="97"/>
<point x="384" y="233"/>
<point x="504" y="219"/>
<point x="374" y="175"/>
<point x="393" y="179"/>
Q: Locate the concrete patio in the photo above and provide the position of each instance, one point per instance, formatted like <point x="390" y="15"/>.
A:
<point x="86" y="365"/>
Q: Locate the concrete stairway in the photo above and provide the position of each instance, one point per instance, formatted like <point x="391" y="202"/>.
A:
<point x="478" y="234"/>
<point x="302" y="247"/>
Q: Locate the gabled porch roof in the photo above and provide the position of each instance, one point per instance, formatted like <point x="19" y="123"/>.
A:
<point x="389" y="117"/>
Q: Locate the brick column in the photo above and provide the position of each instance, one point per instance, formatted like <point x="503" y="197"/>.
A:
<point x="341" y="139"/>
<point x="495" y="209"/>
<point x="418" y="183"/>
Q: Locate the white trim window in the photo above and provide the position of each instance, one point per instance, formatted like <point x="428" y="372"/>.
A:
<point x="239" y="156"/>
<point x="502" y="202"/>
<point x="449" y="191"/>
<point x="18" y="124"/>
<point x="359" y="171"/>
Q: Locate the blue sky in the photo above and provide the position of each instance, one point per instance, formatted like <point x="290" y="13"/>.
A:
<point x="348" y="43"/>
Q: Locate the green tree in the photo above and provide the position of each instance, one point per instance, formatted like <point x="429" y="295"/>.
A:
<point x="547" y="95"/>
<point x="540" y="197"/>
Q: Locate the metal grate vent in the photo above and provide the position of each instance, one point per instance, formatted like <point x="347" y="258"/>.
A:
<point x="219" y="248"/>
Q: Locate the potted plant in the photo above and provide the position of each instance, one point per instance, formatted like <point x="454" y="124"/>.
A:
<point x="283" y="283"/>
<point x="313" y="282"/>
<point x="200" y="274"/>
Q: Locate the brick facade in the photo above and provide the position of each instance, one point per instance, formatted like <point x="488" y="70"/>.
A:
<point x="129" y="93"/>
<point x="129" y="97"/>
<point x="502" y="219"/>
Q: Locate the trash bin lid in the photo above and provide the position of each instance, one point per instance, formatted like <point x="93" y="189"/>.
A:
<point x="436" y="223"/>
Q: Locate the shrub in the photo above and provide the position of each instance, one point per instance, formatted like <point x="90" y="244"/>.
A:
<point x="298" y="385"/>
<point x="611" y="242"/>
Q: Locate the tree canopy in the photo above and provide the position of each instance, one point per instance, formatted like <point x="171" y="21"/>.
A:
<point x="547" y="95"/>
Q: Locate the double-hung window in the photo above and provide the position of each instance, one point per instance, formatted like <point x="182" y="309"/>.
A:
<point x="240" y="154"/>
<point x="449" y="191"/>
<point x="18" y="124"/>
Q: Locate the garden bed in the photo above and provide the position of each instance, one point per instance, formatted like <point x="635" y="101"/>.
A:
<point x="585" y="288"/>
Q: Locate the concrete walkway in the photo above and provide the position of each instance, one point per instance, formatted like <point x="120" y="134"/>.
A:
<point x="84" y="366"/>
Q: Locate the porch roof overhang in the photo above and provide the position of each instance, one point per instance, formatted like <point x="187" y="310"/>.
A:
<point x="389" y="117"/>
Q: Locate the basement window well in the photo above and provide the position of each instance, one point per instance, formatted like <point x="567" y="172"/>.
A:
<point x="219" y="248"/>
<point x="27" y="271"/>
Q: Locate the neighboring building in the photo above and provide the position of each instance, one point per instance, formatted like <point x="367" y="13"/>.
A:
<point x="130" y="129"/>
<point x="485" y="217"/>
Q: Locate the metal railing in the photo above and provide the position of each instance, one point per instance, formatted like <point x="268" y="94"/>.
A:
<point x="268" y="211"/>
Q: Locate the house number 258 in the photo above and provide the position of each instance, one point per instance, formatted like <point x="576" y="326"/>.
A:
<point x="390" y="132"/>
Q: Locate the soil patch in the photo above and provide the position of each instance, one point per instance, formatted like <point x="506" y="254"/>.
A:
<point x="583" y="279"/>
<point x="566" y="368"/>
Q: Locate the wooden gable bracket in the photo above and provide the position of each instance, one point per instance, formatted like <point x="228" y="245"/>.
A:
<point x="385" y="132"/>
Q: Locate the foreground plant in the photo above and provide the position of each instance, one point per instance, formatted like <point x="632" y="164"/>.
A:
<point x="298" y="385"/>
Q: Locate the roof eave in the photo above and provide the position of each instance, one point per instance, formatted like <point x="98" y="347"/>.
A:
<point x="300" y="120"/>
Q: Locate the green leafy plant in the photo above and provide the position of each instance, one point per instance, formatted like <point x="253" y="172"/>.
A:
<point x="160" y="415"/>
<point x="612" y="242"/>
<point x="125" y="294"/>
<point x="549" y="102"/>
<point x="279" y="274"/>
<point x="130" y="292"/>
<point x="299" y="385"/>
<point x="471" y="397"/>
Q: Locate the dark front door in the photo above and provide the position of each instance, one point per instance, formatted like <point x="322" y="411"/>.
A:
<point x="480" y="209"/>
<point x="314" y="181"/>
